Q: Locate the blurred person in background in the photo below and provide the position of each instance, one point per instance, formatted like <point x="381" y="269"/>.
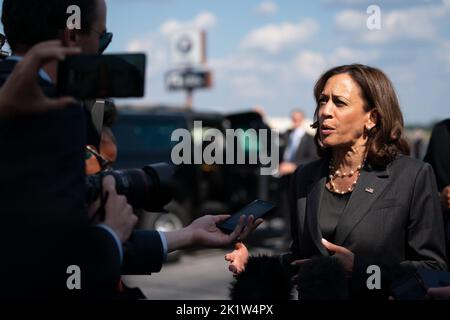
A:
<point x="299" y="147"/>
<point x="438" y="156"/>
<point x="417" y="143"/>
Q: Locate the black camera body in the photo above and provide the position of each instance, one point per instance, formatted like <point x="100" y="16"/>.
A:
<point x="148" y="188"/>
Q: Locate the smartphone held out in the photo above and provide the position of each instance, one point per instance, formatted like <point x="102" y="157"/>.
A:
<point x="258" y="209"/>
<point x="102" y="76"/>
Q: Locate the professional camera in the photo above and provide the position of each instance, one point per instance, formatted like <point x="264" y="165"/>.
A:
<point x="148" y="188"/>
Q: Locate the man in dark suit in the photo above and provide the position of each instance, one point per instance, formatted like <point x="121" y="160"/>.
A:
<point x="298" y="146"/>
<point x="438" y="155"/>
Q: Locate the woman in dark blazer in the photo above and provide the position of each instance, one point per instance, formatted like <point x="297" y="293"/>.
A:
<point x="371" y="202"/>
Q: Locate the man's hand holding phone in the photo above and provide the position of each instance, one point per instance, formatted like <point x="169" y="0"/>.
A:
<point x="206" y="233"/>
<point x="239" y="257"/>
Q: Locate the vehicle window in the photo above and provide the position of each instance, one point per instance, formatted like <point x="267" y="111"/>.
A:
<point x="146" y="134"/>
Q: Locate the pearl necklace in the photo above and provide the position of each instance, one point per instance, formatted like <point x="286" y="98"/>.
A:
<point x="339" y="174"/>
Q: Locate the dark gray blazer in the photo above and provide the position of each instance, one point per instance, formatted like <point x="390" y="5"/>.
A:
<point x="392" y="217"/>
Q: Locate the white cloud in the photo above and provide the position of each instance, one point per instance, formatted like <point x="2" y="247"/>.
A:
<point x="139" y="44"/>
<point x="243" y="63"/>
<point x="403" y="74"/>
<point x="346" y="55"/>
<point x="420" y="23"/>
<point x="276" y="37"/>
<point x="251" y="75"/>
<point x="267" y="8"/>
<point x="246" y="74"/>
<point x="153" y="46"/>
<point x="310" y="64"/>
<point x="250" y="86"/>
<point x="386" y="3"/>
<point x="204" y="20"/>
<point x="351" y="20"/>
<point x="345" y="2"/>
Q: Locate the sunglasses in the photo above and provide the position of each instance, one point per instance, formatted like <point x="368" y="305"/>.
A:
<point x="104" y="163"/>
<point x="104" y="41"/>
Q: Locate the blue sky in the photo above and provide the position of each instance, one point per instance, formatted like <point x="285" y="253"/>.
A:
<point x="270" y="53"/>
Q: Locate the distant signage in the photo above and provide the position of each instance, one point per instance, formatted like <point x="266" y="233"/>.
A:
<point x="188" y="79"/>
<point x="187" y="48"/>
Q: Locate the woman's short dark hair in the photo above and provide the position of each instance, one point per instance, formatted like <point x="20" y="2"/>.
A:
<point x="28" y="22"/>
<point x="386" y="139"/>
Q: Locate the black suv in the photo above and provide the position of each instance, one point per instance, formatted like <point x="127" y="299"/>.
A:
<point x="144" y="137"/>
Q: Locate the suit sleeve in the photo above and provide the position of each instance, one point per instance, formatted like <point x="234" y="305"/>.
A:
<point x="103" y="257"/>
<point x="293" y="193"/>
<point x="144" y="253"/>
<point x="426" y="238"/>
<point x="437" y="155"/>
<point x="91" y="249"/>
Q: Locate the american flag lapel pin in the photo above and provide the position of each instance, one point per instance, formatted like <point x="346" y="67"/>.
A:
<point x="369" y="190"/>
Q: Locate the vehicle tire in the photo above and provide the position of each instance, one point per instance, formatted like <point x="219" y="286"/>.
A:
<point x="175" y="218"/>
<point x="181" y="211"/>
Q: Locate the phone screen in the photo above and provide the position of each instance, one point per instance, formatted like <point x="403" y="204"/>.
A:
<point x="257" y="208"/>
<point x="102" y="76"/>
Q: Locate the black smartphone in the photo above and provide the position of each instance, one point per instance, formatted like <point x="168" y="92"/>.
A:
<point x="102" y="76"/>
<point x="257" y="208"/>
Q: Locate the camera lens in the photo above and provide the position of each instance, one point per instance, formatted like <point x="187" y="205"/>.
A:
<point x="148" y="188"/>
